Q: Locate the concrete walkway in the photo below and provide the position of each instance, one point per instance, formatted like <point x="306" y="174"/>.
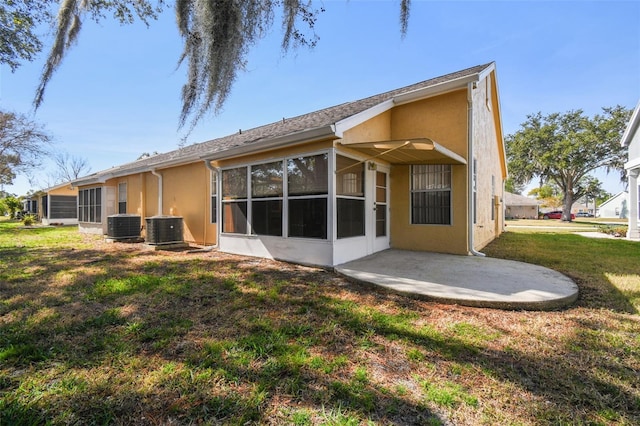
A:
<point x="464" y="280"/>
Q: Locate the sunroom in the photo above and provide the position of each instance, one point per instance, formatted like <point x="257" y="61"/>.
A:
<point x="309" y="208"/>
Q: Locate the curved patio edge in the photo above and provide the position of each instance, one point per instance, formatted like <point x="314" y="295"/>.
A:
<point x="464" y="280"/>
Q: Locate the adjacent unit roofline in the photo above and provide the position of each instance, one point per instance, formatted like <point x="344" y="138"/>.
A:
<point x="305" y="136"/>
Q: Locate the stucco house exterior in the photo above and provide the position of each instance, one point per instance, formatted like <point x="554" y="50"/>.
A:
<point x="631" y="139"/>
<point x="520" y="207"/>
<point x="616" y="207"/>
<point x="419" y="168"/>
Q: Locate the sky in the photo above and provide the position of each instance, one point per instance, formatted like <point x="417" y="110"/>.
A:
<point x="117" y="93"/>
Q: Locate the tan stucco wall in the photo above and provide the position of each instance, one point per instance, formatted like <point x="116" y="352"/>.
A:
<point x="185" y="193"/>
<point x="437" y="238"/>
<point x="441" y="118"/>
<point x="444" y="120"/>
<point x="65" y="190"/>
<point x="376" y="129"/>
<point x="490" y="167"/>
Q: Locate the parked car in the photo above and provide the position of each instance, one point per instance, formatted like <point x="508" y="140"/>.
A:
<point x="556" y="214"/>
<point x="584" y="214"/>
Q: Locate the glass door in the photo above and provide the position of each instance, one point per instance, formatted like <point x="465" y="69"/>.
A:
<point x="380" y="232"/>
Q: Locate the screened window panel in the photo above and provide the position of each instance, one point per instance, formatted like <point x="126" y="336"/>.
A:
<point x="267" y="179"/>
<point x="308" y="218"/>
<point x="234" y="184"/>
<point x="62" y="207"/>
<point x="308" y="175"/>
<point x="350" y="177"/>
<point x="381" y="222"/>
<point x="266" y="217"/>
<point x="350" y="217"/>
<point x="234" y="217"/>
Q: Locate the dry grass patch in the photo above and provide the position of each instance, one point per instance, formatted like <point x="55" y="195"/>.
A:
<point x="112" y="334"/>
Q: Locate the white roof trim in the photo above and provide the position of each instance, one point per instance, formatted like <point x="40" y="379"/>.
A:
<point x="304" y="136"/>
<point x="414" y="95"/>
<point x="436" y="89"/>
<point x="632" y="127"/>
<point x="485" y="72"/>
<point x="635" y="163"/>
<point x="359" y="118"/>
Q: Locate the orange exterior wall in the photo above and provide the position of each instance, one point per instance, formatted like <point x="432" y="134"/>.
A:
<point x="65" y="190"/>
<point x="436" y="238"/>
<point x="186" y="193"/>
<point x="444" y="120"/>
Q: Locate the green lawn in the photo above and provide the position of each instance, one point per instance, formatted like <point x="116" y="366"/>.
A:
<point x="98" y="333"/>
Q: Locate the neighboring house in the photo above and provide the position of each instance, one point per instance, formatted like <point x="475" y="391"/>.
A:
<point x="418" y="168"/>
<point x="520" y="207"/>
<point x="631" y="139"/>
<point x="57" y="205"/>
<point x="30" y="204"/>
<point x="615" y="207"/>
<point x="584" y="205"/>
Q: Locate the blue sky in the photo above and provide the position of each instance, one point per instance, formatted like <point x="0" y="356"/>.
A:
<point x="117" y="94"/>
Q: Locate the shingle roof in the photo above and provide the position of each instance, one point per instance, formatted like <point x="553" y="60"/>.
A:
<point x="511" y="199"/>
<point x="290" y="126"/>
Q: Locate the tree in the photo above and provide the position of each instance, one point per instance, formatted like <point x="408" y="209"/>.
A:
<point x="18" y="19"/>
<point x="11" y="205"/>
<point x="513" y="187"/>
<point x="22" y="144"/>
<point x="70" y="167"/>
<point x="548" y="195"/>
<point x="563" y="149"/>
<point x="217" y="37"/>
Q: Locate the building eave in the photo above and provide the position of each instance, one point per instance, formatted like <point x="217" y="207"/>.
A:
<point x="632" y="127"/>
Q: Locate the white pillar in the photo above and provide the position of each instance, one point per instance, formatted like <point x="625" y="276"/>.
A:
<point x="633" y="233"/>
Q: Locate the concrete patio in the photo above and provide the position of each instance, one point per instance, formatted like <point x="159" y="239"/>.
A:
<point x="464" y="280"/>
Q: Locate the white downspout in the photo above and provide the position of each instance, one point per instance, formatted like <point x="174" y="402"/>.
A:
<point x="470" y="169"/>
<point x="159" y="176"/>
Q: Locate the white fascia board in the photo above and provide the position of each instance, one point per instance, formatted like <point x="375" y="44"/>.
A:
<point x="448" y="153"/>
<point x="485" y="72"/>
<point x="635" y="163"/>
<point x="359" y="118"/>
<point x="304" y="136"/>
<point x="632" y="127"/>
<point x="436" y="89"/>
<point x="89" y="180"/>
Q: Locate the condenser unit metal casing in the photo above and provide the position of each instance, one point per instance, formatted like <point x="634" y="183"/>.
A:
<point x="123" y="226"/>
<point x="164" y="230"/>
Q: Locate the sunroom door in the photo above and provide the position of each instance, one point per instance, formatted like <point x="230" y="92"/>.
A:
<point x="379" y="234"/>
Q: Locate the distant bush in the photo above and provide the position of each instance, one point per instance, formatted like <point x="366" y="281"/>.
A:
<point x="615" y="230"/>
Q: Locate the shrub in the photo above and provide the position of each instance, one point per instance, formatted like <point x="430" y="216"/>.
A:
<point x="28" y="219"/>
